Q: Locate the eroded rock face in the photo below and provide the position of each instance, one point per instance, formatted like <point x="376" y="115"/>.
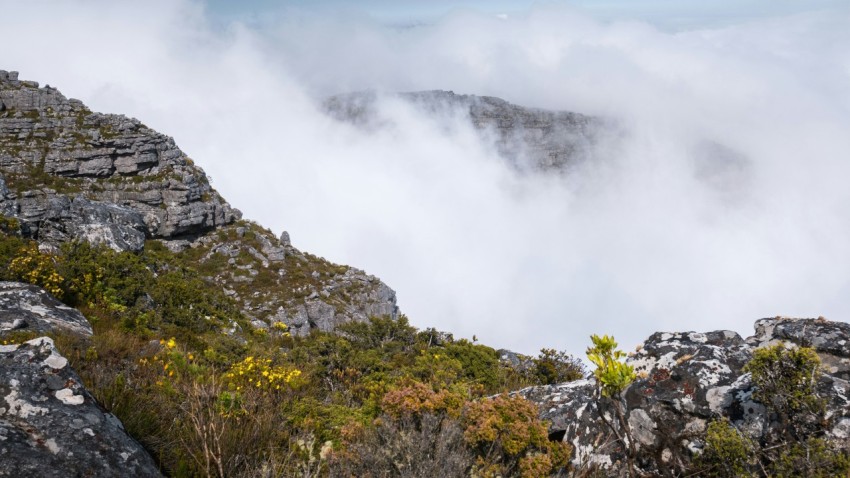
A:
<point x="685" y="380"/>
<point x="51" y="427"/>
<point x="25" y="307"/>
<point x="69" y="173"/>
<point x="276" y="283"/>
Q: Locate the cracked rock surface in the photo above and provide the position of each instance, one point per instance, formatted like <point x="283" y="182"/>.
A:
<point x="685" y="380"/>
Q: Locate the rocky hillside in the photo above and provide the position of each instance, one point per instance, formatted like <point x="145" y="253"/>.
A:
<point x="67" y="173"/>
<point x="529" y="138"/>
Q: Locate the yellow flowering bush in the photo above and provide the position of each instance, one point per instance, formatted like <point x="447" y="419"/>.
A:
<point x="259" y="373"/>
<point x="34" y="267"/>
<point x="281" y="328"/>
<point x="172" y="362"/>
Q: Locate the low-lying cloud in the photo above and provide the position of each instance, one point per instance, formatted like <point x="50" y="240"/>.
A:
<point x="724" y="200"/>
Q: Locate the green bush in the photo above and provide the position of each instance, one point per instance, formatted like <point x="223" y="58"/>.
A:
<point x="785" y="382"/>
<point x="552" y="367"/>
<point x="727" y="452"/>
<point x="814" y="458"/>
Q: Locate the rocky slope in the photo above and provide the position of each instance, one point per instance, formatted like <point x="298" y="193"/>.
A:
<point x="67" y="173"/>
<point x="687" y="379"/>
<point x="50" y="426"/>
<point x="529" y="138"/>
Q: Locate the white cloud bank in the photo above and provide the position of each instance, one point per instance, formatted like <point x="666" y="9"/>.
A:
<point x="672" y="233"/>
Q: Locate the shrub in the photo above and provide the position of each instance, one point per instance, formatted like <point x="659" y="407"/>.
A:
<point x="552" y="367"/>
<point x="727" y="452"/>
<point x="814" y="458"/>
<point x="479" y="363"/>
<point x="508" y="437"/>
<point x="419" y="398"/>
<point x="786" y="383"/>
<point x="429" y="446"/>
<point x="35" y="267"/>
<point x="612" y="374"/>
<point x="260" y="374"/>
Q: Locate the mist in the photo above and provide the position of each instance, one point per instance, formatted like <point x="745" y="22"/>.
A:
<point x="724" y="199"/>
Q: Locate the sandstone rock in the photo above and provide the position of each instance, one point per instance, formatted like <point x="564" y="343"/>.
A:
<point x="51" y="427"/>
<point x="685" y="380"/>
<point x="25" y="307"/>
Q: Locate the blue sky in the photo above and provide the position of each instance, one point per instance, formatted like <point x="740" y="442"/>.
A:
<point x="666" y="14"/>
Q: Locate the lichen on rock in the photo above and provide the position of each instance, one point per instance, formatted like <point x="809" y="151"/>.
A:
<point x="51" y="427"/>
<point x="685" y="381"/>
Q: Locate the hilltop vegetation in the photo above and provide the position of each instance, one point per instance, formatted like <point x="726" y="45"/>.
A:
<point x="209" y="394"/>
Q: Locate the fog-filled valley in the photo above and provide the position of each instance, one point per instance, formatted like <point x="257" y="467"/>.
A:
<point x="712" y="192"/>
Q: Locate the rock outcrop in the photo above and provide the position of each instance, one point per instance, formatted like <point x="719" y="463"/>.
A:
<point x="50" y="426"/>
<point x="275" y="282"/>
<point x="685" y="380"/>
<point x="529" y="138"/>
<point x="69" y="173"/>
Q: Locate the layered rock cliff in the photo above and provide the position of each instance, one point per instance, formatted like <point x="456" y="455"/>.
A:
<point x="70" y="173"/>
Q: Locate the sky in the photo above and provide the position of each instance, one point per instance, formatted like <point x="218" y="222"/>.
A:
<point x="724" y="200"/>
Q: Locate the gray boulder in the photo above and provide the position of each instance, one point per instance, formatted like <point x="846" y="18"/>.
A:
<point x="55" y="218"/>
<point x="50" y="426"/>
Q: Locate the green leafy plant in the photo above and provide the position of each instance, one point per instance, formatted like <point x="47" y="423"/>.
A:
<point x="613" y="375"/>
<point x="785" y="382"/>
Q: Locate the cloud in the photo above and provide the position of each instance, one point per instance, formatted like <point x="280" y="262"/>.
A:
<point x="725" y="200"/>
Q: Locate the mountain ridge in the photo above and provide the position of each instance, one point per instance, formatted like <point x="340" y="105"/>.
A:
<point x="530" y="139"/>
